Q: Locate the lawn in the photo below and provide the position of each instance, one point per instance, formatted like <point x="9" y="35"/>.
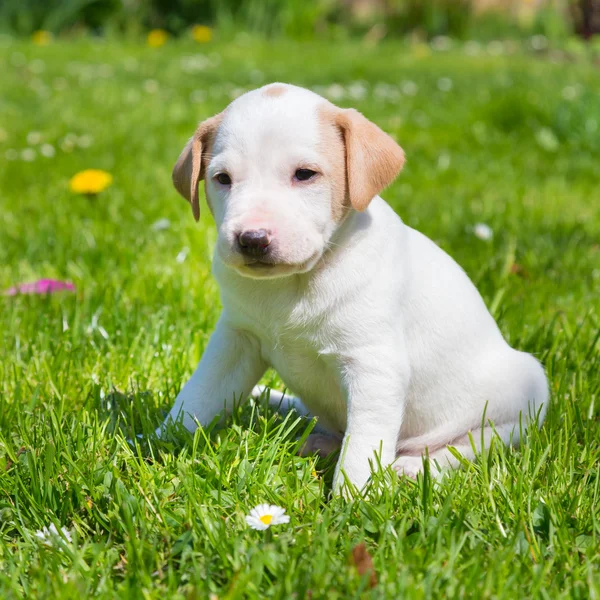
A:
<point x="494" y="135"/>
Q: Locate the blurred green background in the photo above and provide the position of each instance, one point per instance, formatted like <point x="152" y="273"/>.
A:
<point x="497" y="105"/>
<point x="306" y="19"/>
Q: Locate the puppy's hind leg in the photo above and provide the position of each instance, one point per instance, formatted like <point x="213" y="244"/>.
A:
<point x="281" y="401"/>
<point x="320" y="441"/>
<point x="442" y="458"/>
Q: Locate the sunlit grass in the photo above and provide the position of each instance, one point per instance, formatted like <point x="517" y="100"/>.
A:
<point x="510" y="141"/>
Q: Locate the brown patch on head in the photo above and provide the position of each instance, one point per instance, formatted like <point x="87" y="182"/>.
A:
<point x="275" y="90"/>
<point x="191" y="164"/>
<point x="372" y="158"/>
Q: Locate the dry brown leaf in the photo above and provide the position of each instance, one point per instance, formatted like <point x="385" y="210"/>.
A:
<point x="363" y="562"/>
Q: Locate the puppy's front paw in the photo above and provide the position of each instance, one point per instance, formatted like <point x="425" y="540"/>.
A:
<point x="410" y="466"/>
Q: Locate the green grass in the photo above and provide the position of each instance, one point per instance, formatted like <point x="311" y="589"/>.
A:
<point x="514" y="143"/>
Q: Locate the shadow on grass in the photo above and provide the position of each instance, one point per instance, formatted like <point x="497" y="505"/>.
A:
<point x="137" y="414"/>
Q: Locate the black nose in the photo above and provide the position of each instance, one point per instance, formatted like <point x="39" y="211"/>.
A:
<point x="254" y="242"/>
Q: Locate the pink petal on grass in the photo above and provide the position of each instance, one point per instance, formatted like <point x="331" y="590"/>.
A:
<point x="40" y="287"/>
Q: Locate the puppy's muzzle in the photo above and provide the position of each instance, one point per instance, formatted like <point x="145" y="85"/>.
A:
<point x="254" y="243"/>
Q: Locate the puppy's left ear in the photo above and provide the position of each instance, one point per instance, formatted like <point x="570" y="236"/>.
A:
<point x="189" y="168"/>
<point x="373" y="158"/>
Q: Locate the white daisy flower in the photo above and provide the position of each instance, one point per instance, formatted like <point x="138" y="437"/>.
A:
<point x="335" y="92"/>
<point x="409" y="88"/>
<point x="442" y="43"/>
<point x="181" y="257"/>
<point x="151" y="86"/>
<point x="161" y="225"/>
<point x="50" y="534"/>
<point x="263" y="516"/>
<point x="34" y="138"/>
<point x="444" y="161"/>
<point x="28" y="154"/>
<point x="194" y="63"/>
<point x="47" y="150"/>
<point x="483" y="231"/>
<point x="570" y="92"/>
<point x="85" y="140"/>
<point x="472" y="48"/>
<point x="444" y="84"/>
<point x="539" y="42"/>
<point x="68" y="142"/>
<point x="357" y="90"/>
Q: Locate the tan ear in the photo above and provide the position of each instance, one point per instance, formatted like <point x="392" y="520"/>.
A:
<point x="373" y="158"/>
<point x="189" y="168"/>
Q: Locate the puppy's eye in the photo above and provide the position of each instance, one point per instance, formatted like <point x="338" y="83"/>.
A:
<point x="223" y="178"/>
<point x="304" y="174"/>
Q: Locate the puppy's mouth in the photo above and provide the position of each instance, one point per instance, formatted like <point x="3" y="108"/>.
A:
<point x="259" y="265"/>
<point x="269" y="265"/>
<point x="261" y="269"/>
<point x="264" y="268"/>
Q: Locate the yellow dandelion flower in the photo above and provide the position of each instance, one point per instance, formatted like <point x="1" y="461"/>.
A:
<point x="90" y="181"/>
<point x="41" y="38"/>
<point x="202" y="34"/>
<point x="157" y="38"/>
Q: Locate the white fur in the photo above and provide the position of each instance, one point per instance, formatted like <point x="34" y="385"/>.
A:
<point x="379" y="331"/>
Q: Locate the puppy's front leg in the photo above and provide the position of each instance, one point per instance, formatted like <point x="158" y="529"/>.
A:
<point x="229" y="369"/>
<point x="375" y="398"/>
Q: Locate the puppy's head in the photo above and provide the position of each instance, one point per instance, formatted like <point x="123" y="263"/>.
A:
<point x="282" y="167"/>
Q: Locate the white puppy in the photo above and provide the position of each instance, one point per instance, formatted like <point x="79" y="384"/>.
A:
<point x="380" y="332"/>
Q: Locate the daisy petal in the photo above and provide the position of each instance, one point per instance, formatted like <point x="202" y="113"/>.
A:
<point x="256" y="523"/>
